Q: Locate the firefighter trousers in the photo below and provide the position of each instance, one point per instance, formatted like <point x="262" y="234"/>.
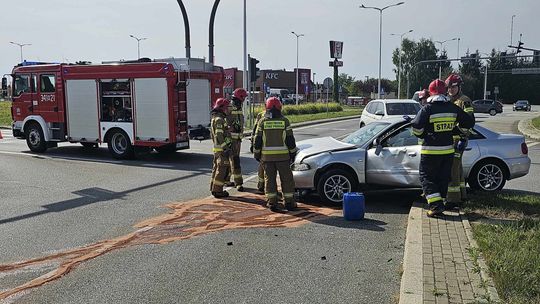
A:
<point x="234" y="160"/>
<point x="457" y="191"/>
<point x="434" y="176"/>
<point x="220" y="170"/>
<point x="260" y="175"/>
<point x="271" y="169"/>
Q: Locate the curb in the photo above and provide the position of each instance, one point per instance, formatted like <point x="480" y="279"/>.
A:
<point x="412" y="283"/>
<point x="490" y="286"/>
<point x="526" y="128"/>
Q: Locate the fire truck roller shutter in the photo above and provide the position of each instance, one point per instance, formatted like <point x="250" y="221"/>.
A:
<point x="198" y="103"/>
<point x="82" y="112"/>
<point x="152" y="109"/>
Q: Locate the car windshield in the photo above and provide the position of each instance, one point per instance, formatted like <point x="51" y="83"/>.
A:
<point x="396" y="108"/>
<point x="522" y="102"/>
<point x="365" y="134"/>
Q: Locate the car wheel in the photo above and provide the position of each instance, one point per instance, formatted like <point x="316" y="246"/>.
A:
<point x="333" y="184"/>
<point x="35" y="138"/>
<point x="362" y="124"/>
<point x="487" y="176"/>
<point x="492" y="112"/>
<point x="119" y="145"/>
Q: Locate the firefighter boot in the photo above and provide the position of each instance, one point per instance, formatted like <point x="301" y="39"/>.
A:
<point x="435" y="209"/>
<point x="290" y="205"/>
<point x="220" y="194"/>
<point x="240" y="188"/>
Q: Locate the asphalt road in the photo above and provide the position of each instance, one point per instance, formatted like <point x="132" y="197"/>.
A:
<point x="70" y="197"/>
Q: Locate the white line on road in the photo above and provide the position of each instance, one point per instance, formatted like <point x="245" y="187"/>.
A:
<point x="532" y="144"/>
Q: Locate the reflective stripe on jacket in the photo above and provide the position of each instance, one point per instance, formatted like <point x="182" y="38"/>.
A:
<point x="220" y="132"/>
<point x="236" y="123"/>
<point x="435" y="124"/>
<point x="274" y="139"/>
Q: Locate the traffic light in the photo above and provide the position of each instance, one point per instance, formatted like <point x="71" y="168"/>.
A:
<point x="520" y="45"/>
<point x="4" y="87"/>
<point x="253" y="69"/>
<point x="536" y="58"/>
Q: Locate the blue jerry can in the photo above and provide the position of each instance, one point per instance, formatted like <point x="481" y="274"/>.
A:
<point x="353" y="206"/>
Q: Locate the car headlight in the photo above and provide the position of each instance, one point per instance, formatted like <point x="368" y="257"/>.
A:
<point x="300" y="167"/>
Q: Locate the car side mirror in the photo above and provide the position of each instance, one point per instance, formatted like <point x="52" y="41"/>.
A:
<point x="379" y="113"/>
<point x="377" y="145"/>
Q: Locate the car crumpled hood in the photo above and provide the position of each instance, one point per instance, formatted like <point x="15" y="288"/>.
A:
<point x="315" y="146"/>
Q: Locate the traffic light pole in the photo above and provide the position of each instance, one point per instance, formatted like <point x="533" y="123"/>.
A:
<point x="336" y="81"/>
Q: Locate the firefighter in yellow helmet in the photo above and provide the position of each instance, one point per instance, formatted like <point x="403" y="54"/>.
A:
<point x="260" y="171"/>
<point x="275" y="147"/>
<point x="222" y="147"/>
<point x="235" y="119"/>
<point x="457" y="191"/>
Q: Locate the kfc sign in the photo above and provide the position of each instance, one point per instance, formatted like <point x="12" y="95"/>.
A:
<point x="272" y="76"/>
<point x="336" y="49"/>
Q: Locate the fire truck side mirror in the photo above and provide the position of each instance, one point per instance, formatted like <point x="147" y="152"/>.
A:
<point x="4" y="87"/>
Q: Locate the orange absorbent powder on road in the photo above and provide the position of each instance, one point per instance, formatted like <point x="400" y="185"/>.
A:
<point x="184" y="221"/>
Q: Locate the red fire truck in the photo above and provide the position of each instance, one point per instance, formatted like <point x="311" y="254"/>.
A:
<point x="144" y="105"/>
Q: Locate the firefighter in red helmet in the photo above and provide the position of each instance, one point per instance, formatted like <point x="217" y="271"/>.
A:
<point x="235" y="119"/>
<point x="275" y="147"/>
<point x="222" y="147"/>
<point x="435" y="124"/>
<point x="457" y="191"/>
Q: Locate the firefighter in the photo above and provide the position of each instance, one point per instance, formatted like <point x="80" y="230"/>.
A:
<point x="434" y="124"/>
<point x="457" y="191"/>
<point x="423" y="96"/>
<point x="260" y="171"/>
<point x="222" y="147"/>
<point x="236" y="124"/>
<point x="275" y="147"/>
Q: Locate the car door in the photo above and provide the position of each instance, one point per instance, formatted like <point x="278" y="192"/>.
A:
<point x="396" y="161"/>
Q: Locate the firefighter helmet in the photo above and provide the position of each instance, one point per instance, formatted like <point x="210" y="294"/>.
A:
<point x="240" y="94"/>
<point x="437" y="87"/>
<point x="453" y="80"/>
<point x="221" y="104"/>
<point x="423" y="94"/>
<point x="273" y="103"/>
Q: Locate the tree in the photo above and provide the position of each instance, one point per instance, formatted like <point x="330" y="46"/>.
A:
<point x="472" y="73"/>
<point x="419" y="74"/>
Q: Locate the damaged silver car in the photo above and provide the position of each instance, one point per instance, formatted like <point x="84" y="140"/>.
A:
<point x="386" y="154"/>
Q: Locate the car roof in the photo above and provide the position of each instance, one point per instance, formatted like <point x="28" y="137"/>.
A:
<point x="395" y="100"/>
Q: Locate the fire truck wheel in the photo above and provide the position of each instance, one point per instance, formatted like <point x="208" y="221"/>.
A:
<point x="119" y="145"/>
<point x="35" y="139"/>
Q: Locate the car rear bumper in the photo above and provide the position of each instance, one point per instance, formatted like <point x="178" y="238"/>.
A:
<point x="518" y="167"/>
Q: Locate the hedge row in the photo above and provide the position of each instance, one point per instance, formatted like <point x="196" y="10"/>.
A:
<point x="309" y="108"/>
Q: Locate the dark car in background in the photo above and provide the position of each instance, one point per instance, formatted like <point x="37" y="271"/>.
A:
<point x="522" y="105"/>
<point x="489" y="106"/>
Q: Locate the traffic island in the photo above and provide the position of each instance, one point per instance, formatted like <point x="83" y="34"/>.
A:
<point x="527" y="127"/>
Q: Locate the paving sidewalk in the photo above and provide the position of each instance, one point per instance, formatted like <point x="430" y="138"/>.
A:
<point x="442" y="263"/>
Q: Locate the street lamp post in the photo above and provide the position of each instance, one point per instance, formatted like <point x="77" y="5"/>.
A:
<point x="399" y="67"/>
<point x="21" y="45"/>
<point x="245" y="74"/>
<point x="441" y="43"/>
<point x="380" y="37"/>
<point x="138" y="45"/>
<point x="297" y="39"/>
<point x="512" y="30"/>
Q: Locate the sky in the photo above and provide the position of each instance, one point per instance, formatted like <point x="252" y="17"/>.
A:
<point x="96" y="31"/>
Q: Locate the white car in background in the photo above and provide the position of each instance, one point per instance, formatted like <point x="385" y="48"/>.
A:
<point x="379" y="109"/>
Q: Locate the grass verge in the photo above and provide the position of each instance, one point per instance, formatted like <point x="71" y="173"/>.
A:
<point x="513" y="258"/>
<point x="510" y="247"/>
<point x="5" y="113"/>
<point x="536" y="122"/>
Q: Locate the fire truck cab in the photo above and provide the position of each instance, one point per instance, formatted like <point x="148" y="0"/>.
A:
<point x="125" y="105"/>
